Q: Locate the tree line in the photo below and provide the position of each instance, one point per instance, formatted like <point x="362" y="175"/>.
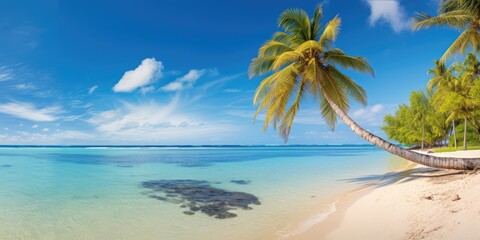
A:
<point x="446" y="113"/>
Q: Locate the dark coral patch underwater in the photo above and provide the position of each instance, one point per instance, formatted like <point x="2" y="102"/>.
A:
<point x="200" y="196"/>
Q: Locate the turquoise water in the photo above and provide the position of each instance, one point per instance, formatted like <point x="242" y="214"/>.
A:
<point x="97" y="193"/>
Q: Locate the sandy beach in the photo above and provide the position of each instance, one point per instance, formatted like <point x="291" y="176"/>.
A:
<point x="420" y="203"/>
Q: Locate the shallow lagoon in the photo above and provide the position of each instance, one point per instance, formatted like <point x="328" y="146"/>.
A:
<point x="100" y="193"/>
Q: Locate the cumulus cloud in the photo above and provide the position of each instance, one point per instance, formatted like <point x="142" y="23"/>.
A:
<point x="185" y="81"/>
<point x="145" y="74"/>
<point x="390" y="12"/>
<point x="92" y="89"/>
<point x="30" y="112"/>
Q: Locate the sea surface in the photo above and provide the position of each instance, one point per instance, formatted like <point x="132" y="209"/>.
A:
<point x="177" y="193"/>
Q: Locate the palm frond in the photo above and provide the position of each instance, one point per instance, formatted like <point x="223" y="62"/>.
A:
<point x="273" y="48"/>
<point x="457" y="19"/>
<point x="285" y="59"/>
<point x="284" y="38"/>
<point x="352" y="88"/>
<point x="317" y="17"/>
<point x="260" y="66"/>
<point x="311" y="45"/>
<point x="328" y="114"/>
<point x="297" y="22"/>
<point x="287" y="120"/>
<point x="335" y="90"/>
<point x="337" y="56"/>
<point x="331" y="31"/>
<point x="273" y="93"/>
<point x="468" y="38"/>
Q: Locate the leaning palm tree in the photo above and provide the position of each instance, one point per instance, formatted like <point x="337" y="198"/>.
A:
<point x="461" y="14"/>
<point x="301" y="59"/>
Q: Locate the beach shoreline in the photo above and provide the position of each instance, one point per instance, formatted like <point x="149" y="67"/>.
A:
<point x="415" y="203"/>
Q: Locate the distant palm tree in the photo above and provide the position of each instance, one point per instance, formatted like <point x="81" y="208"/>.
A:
<point x="441" y="78"/>
<point x="460" y="14"/>
<point x="300" y="59"/>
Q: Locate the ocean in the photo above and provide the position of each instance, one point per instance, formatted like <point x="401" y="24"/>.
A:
<point x="177" y="192"/>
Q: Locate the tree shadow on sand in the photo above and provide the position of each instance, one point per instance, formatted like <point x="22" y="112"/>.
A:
<point x="437" y="176"/>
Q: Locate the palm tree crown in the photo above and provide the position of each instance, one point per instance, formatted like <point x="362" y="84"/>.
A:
<point x="460" y="14"/>
<point x="299" y="59"/>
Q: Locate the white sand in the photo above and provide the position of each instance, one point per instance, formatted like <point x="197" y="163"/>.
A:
<point x="424" y="203"/>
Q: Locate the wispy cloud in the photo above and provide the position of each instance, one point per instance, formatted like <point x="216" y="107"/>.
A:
<point x="370" y="116"/>
<point x="30" y="112"/>
<point x="45" y="137"/>
<point x="91" y="90"/>
<point x="145" y="90"/>
<point x="24" y="86"/>
<point x="213" y="86"/>
<point x="137" y="116"/>
<point x="184" y="82"/>
<point x="305" y="117"/>
<point x="6" y="73"/>
<point x="390" y="12"/>
<point x="145" y="74"/>
<point x="151" y="121"/>
<point x="231" y="90"/>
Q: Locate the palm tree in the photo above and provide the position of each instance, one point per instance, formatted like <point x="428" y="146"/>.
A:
<point x="301" y="59"/>
<point x="461" y="14"/>
<point x="419" y="105"/>
<point x="442" y="76"/>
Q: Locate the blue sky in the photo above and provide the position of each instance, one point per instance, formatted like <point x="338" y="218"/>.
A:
<point x="175" y="72"/>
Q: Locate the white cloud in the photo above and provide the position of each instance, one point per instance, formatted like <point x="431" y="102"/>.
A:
<point x="6" y="74"/>
<point x="92" y="89"/>
<point x="185" y="81"/>
<point x="137" y="116"/>
<point x="30" y="112"/>
<point x="45" y="129"/>
<point x="305" y="116"/>
<point x="153" y="122"/>
<point x="231" y="90"/>
<point x="34" y="126"/>
<point x="370" y="115"/>
<point x="24" y="86"/>
<point x="145" y="74"/>
<point x="145" y="90"/>
<point x="389" y="11"/>
<point x="58" y="137"/>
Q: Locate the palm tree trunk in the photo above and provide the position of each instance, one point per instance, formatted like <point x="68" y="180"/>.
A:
<point x="454" y="133"/>
<point x="465" y="135"/>
<point x="424" y="159"/>
<point x="423" y="132"/>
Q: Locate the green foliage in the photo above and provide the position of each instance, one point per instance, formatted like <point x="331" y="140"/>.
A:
<point x="453" y="96"/>
<point x="473" y="137"/>
<point x="416" y="122"/>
